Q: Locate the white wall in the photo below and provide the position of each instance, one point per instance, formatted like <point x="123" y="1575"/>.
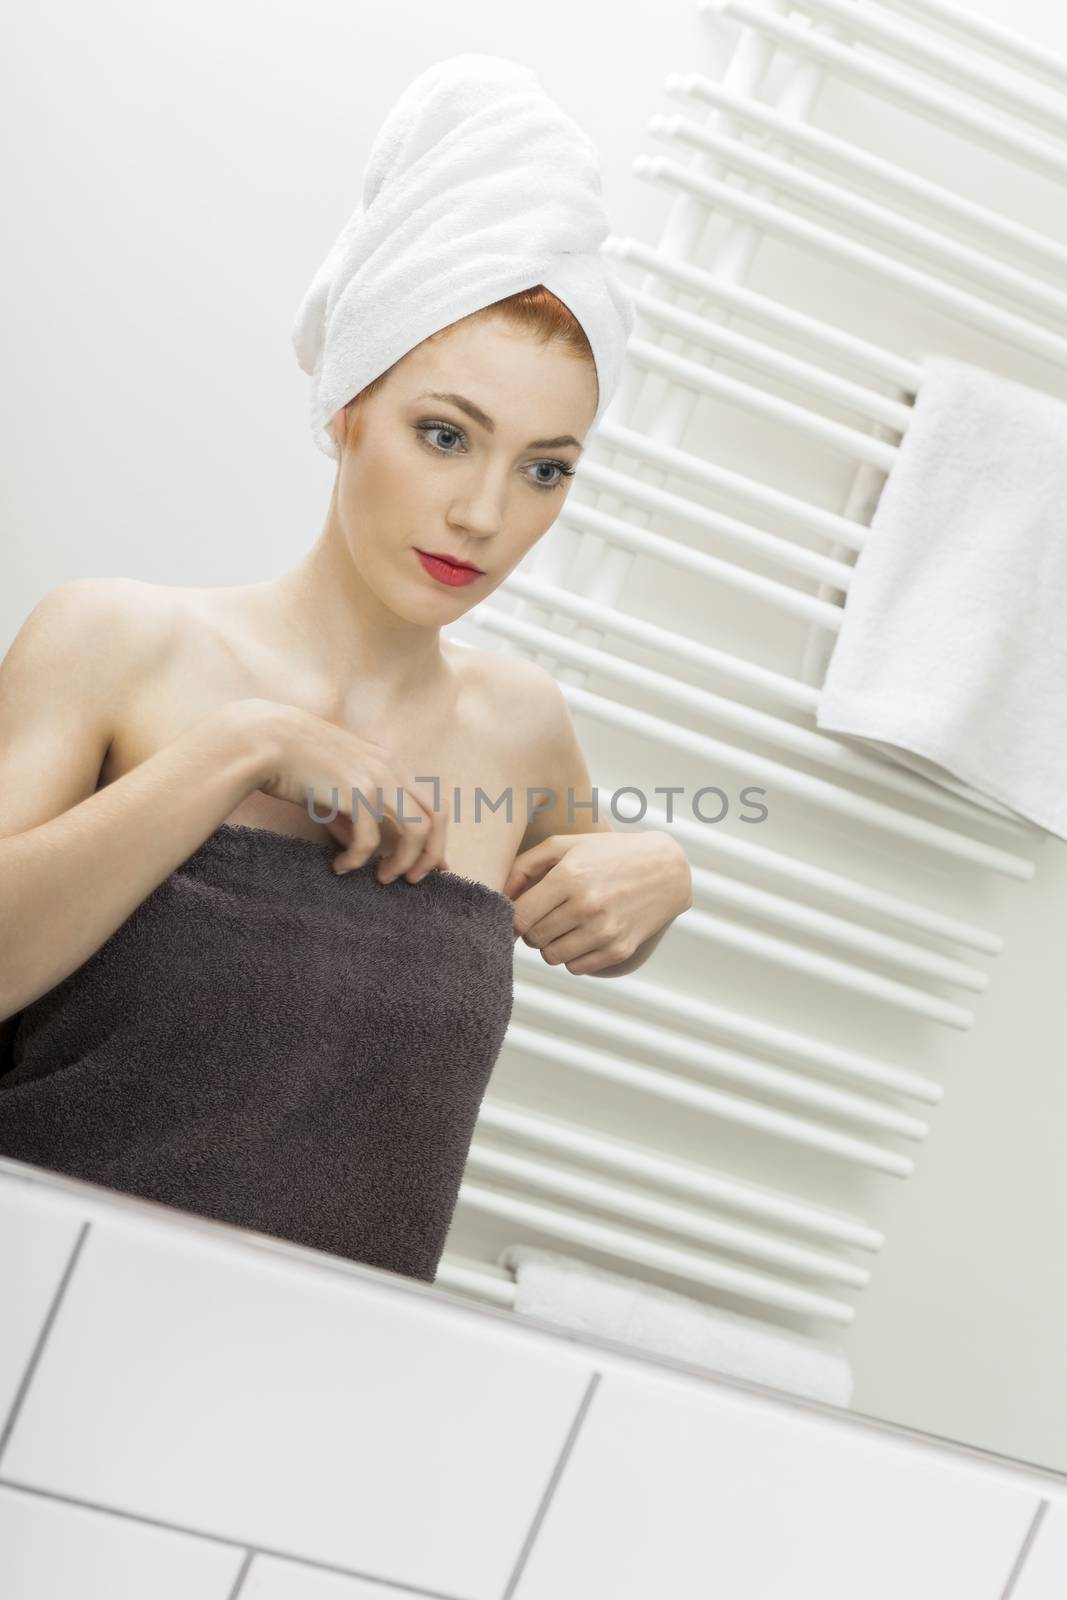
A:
<point x="177" y="175"/>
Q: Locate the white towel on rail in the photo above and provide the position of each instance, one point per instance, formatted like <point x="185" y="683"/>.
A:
<point x="952" y="655"/>
<point x="575" y="1294"/>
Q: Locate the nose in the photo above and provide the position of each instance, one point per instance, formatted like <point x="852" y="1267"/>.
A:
<point x="480" y="508"/>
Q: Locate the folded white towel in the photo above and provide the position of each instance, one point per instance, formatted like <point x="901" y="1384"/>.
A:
<point x="575" y="1294"/>
<point x="477" y="185"/>
<point x="952" y="655"/>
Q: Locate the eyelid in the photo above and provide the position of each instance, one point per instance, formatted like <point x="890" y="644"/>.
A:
<point x="455" y="427"/>
<point x="427" y="424"/>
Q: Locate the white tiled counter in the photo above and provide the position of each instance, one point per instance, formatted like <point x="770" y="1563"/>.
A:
<point x="194" y="1411"/>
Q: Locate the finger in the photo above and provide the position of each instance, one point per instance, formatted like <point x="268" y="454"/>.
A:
<point x="436" y="843"/>
<point x="430" y="852"/>
<point x="414" y="827"/>
<point x="573" y="947"/>
<point x="552" y="895"/>
<point x="341" y="830"/>
<point x="416" y="846"/>
<point x="366" y="838"/>
<point x="554" y="926"/>
<point x="587" y="964"/>
<point x="520" y="878"/>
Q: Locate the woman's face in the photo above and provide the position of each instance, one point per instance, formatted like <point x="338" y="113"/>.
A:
<point x="465" y="450"/>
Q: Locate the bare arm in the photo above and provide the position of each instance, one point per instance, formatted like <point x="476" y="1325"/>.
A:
<point x="75" y="864"/>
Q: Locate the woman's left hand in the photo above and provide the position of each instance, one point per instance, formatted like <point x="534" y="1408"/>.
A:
<point x="589" y="900"/>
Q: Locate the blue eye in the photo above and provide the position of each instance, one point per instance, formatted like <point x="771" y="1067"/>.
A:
<point x="424" y="429"/>
<point x="562" y="467"/>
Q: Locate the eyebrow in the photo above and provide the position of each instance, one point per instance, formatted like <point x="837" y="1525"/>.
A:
<point x="478" y="415"/>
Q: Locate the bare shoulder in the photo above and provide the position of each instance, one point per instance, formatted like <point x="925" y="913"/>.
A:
<point x="98" y="627"/>
<point x="79" y="654"/>
<point x="528" y="704"/>
<point x="521" y="695"/>
<point x="82" y="648"/>
<point x="532" y="706"/>
<point x="129" y="604"/>
<point x="519" y="687"/>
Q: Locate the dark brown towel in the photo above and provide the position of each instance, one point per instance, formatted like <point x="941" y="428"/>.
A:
<point x="271" y="1044"/>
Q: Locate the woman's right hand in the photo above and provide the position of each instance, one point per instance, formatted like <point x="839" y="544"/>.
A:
<point x="315" y="763"/>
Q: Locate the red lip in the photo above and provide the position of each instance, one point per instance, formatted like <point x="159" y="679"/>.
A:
<point x="453" y="573"/>
<point x="454" y="561"/>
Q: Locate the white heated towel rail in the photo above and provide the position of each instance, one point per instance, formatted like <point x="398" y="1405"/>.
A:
<point x="743" y="152"/>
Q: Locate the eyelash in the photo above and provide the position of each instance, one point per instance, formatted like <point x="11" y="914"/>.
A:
<point x="424" y="428"/>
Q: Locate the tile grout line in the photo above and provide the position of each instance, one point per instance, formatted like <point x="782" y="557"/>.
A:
<point x="1024" y="1550"/>
<point x="553" y="1482"/>
<point x="954" y="1453"/>
<point x="42" y="1339"/>
<point x="239" y="1581"/>
<point x="303" y="1560"/>
<point x="186" y="1530"/>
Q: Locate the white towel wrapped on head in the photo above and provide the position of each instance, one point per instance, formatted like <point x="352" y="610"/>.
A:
<point x="477" y="185"/>
<point x="952" y="654"/>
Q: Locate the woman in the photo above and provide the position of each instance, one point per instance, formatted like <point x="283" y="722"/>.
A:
<point x="195" y="1010"/>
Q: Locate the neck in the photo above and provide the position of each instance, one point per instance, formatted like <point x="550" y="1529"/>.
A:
<point x="342" y="631"/>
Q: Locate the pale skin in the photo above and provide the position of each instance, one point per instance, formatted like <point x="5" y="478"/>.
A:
<point x="135" y="718"/>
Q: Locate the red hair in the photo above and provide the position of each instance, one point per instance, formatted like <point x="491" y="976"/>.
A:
<point x="535" y="311"/>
